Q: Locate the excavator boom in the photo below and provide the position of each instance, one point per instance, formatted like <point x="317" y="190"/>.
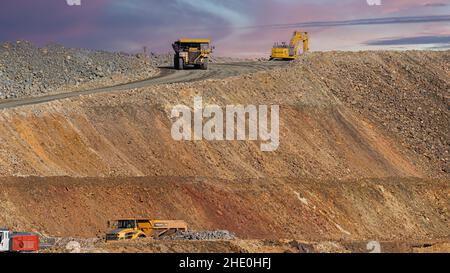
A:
<point x="295" y="41"/>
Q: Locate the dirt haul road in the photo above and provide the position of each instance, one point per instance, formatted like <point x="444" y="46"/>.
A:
<point x="166" y="76"/>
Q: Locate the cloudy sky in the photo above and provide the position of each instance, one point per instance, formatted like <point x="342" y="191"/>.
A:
<point x="238" y="27"/>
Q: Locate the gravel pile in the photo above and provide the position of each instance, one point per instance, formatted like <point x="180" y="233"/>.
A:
<point x="67" y="245"/>
<point x="394" y="89"/>
<point x="202" y="235"/>
<point x="26" y="70"/>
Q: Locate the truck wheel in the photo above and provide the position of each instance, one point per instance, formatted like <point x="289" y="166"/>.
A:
<point x="180" y="64"/>
<point x="175" y="62"/>
<point x="204" y="65"/>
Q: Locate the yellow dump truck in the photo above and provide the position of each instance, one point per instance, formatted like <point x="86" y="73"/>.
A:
<point x="130" y="229"/>
<point x="192" y="53"/>
<point x="291" y="51"/>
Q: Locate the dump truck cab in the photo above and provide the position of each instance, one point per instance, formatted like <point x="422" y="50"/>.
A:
<point x="131" y="229"/>
<point x="192" y="53"/>
<point x="124" y="230"/>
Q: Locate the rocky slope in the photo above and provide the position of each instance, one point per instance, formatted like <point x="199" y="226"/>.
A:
<point x="26" y="70"/>
<point x="364" y="146"/>
<point x="405" y="93"/>
<point x="329" y="127"/>
<point x="391" y="209"/>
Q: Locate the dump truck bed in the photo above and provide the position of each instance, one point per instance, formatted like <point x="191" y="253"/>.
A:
<point x="194" y="41"/>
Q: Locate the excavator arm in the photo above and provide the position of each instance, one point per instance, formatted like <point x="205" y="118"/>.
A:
<point x="295" y="42"/>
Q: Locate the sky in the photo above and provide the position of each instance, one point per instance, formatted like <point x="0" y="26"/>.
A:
<point x="239" y="28"/>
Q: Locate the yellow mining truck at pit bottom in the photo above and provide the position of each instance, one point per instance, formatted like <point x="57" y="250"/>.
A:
<point x="131" y="229"/>
<point x="192" y="53"/>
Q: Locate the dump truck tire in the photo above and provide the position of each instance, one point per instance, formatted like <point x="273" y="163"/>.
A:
<point x="204" y="65"/>
<point x="175" y="62"/>
<point x="180" y="64"/>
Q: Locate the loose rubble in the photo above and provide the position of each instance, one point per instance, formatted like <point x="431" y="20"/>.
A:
<point x="202" y="235"/>
<point x="396" y="92"/>
<point x="27" y="70"/>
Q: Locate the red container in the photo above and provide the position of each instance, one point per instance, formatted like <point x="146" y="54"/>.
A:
<point x="24" y="243"/>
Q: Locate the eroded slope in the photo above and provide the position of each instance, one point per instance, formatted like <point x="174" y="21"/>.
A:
<point x="330" y="125"/>
<point x="354" y="129"/>
<point x="385" y="209"/>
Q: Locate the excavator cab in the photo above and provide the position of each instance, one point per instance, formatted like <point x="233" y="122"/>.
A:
<point x="291" y="51"/>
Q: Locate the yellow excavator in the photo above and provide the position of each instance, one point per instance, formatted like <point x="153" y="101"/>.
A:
<point x="291" y="51"/>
